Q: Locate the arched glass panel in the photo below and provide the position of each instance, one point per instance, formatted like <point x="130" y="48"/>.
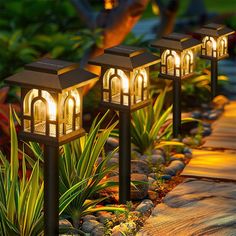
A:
<point x="140" y="85"/>
<point x="115" y="82"/>
<point x="209" y="44"/>
<point x="39" y="117"/>
<point x="69" y="114"/>
<point x="187" y="62"/>
<point x="33" y="93"/>
<point x="222" y="42"/>
<point x="107" y="77"/>
<point x="52" y="107"/>
<point x="115" y="89"/>
<point x="70" y="104"/>
<point x="170" y="63"/>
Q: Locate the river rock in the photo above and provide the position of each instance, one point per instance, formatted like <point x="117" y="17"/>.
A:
<point x="152" y="195"/>
<point x="166" y="177"/>
<point x="89" y="225"/>
<point x="196" y="114"/>
<point x="157" y="159"/>
<point x="139" y="166"/>
<point x="113" y="142"/>
<point x="145" y="206"/>
<point x="140" y="190"/>
<point x="89" y="217"/>
<point x="99" y="230"/>
<point x="177" y="156"/>
<point x="103" y="216"/>
<point x="157" y="152"/>
<point x="174" y="167"/>
<point x="206" y="131"/>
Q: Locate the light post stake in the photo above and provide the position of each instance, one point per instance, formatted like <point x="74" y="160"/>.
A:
<point x="214" y="73"/>
<point x="214" y="48"/>
<point x="51" y="190"/>
<point x="124" y="156"/>
<point x="51" y="114"/>
<point x="124" y="88"/>
<point x="177" y="63"/>
<point x="176" y="107"/>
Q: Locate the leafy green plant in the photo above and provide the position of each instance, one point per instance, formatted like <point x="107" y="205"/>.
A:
<point x="79" y="162"/>
<point x="21" y="199"/>
<point x="199" y="85"/>
<point x="146" y="125"/>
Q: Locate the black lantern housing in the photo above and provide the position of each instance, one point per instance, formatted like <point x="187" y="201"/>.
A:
<point x="125" y="77"/>
<point x="214" y="41"/>
<point x="214" y="47"/>
<point x="177" y="53"/>
<point x="124" y="87"/>
<point x="51" y="100"/>
<point x="51" y="113"/>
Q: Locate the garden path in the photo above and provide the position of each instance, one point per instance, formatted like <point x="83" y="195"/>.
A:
<point x="205" y="203"/>
<point x="205" y="206"/>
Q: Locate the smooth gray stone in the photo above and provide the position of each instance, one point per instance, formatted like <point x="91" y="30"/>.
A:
<point x="174" y="167"/>
<point x="139" y="166"/>
<point x="89" y="225"/>
<point x="98" y="231"/>
<point x="145" y="206"/>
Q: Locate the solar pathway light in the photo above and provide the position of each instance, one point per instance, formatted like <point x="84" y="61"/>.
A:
<point x="177" y="53"/>
<point x="51" y="114"/>
<point x="214" y="47"/>
<point x="124" y="87"/>
<point x="110" y="4"/>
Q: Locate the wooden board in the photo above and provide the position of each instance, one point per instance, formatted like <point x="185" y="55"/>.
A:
<point x="195" y="208"/>
<point x="220" y="143"/>
<point x="212" y="164"/>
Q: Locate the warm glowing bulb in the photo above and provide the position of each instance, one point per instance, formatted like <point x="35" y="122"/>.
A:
<point x="177" y="61"/>
<point x="125" y="81"/>
<point x="125" y="84"/>
<point x="71" y="103"/>
<point x="75" y="94"/>
<point x="213" y="43"/>
<point x="52" y="108"/>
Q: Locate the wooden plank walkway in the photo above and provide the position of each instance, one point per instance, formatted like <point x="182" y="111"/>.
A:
<point x="223" y="130"/>
<point x="205" y="203"/>
<point x="195" y="208"/>
<point x="212" y="164"/>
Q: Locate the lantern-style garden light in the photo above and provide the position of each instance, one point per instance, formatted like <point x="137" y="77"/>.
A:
<point x="214" y="47"/>
<point x="177" y="53"/>
<point x="124" y="87"/>
<point x="110" y="4"/>
<point x="51" y="114"/>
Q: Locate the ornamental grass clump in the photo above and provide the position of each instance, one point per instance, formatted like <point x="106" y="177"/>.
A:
<point x="151" y="127"/>
<point x="78" y="163"/>
<point x="21" y="198"/>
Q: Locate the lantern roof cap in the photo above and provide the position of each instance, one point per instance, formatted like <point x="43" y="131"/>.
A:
<point x="176" y="41"/>
<point x="125" y="57"/>
<point x="51" y="74"/>
<point x="214" y="30"/>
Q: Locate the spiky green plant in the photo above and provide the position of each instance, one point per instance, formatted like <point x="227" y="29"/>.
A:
<point x="78" y="162"/>
<point x="21" y="199"/>
<point x="152" y="126"/>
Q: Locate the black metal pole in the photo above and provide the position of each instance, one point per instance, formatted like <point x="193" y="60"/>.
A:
<point x="124" y="157"/>
<point x="176" y="107"/>
<point x="51" y="191"/>
<point x="214" y="72"/>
